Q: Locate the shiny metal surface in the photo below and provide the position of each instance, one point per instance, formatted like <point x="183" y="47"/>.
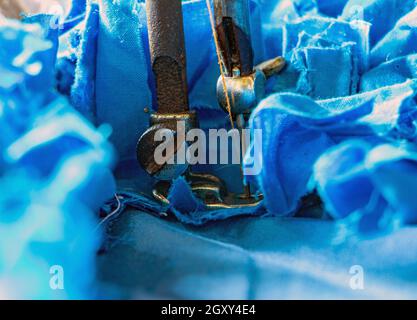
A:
<point x="211" y="191"/>
<point x="244" y="92"/>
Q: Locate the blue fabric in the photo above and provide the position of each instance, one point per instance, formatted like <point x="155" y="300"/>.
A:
<point x="190" y="210"/>
<point x="327" y="57"/>
<point x="122" y="106"/>
<point x="279" y="163"/>
<point x="83" y="89"/>
<point x="290" y="120"/>
<point x="255" y="258"/>
<point x="382" y="14"/>
<point x="78" y="8"/>
<point x="308" y="143"/>
<point x="55" y="172"/>
<point x="370" y="186"/>
<point x="389" y="73"/>
<point x="400" y="41"/>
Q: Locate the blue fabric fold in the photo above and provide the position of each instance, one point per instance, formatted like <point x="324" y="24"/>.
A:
<point x="334" y="97"/>
<point x="285" y="142"/>
<point x="390" y="73"/>
<point x="368" y="186"/>
<point x="382" y="14"/>
<point x="121" y="57"/>
<point x="83" y="91"/>
<point x="190" y="210"/>
<point x="55" y="172"/>
<point x="297" y="130"/>
<point x="398" y="42"/>
<point x="326" y="57"/>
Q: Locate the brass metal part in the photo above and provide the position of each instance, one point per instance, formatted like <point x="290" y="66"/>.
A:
<point x="211" y="191"/>
<point x="272" y="67"/>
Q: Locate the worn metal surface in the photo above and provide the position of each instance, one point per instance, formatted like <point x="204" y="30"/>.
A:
<point x="167" y="48"/>
<point x="233" y="29"/>
<point x="147" y="145"/>
<point x="178" y="124"/>
<point x="272" y="67"/>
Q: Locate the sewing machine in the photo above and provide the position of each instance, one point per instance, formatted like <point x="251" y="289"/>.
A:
<point x="239" y="89"/>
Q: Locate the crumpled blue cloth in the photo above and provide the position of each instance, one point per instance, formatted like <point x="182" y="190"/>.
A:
<point x="368" y="83"/>
<point x="326" y="55"/>
<point x="297" y="130"/>
<point x="369" y="185"/>
<point x="400" y="41"/>
<point x="190" y="210"/>
<point x="382" y="14"/>
<point x="389" y="73"/>
<point x="55" y="173"/>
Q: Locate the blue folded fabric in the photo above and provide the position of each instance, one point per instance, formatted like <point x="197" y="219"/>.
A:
<point x="190" y="210"/>
<point x="55" y="173"/>
<point x="281" y="132"/>
<point x="369" y="186"/>
<point x="298" y="130"/>
<point x="398" y="42"/>
<point x="326" y="56"/>
<point x="390" y="73"/>
<point x="382" y="14"/>
<point x="78" y="8"/>
<point x="274" y="16"/>
<point x="23" y="62"/>
<point x="328" y="62"/>
<point x="83" y="88"/>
